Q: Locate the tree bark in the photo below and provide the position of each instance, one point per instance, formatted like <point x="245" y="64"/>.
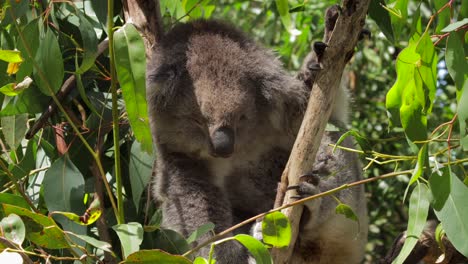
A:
<point x="146" y="16"/>
<point x="340" y="47"/>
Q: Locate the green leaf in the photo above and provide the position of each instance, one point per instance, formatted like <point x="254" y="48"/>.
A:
<point x="30" y="101"/>
<point x="381" y="18"/>
<point x="418" y="211"/>
<point x="95" y="243"/>
<point x="420" y="164"/>
<point x="9" y="89"/>
<point x="427" y="71"/>
<point x="405" y="66"/>
<point x="12" y="228"/>
<point x="276" y="230"/>
<point x="455" y="26"/>
<point x="462" y="111"/>
<point x="31" y="34"/>
<point x="50" y="62"/>
<point x="256" y="248"/>
<point x="131" y="70"/>
<point x="399" y="14"/>
<point x="347" y="211"/>
<point x="283" y="10"/>
<point x="14" y="128"/>
<point x="297" y="8"/>
<point x="140" y="170"/>
<point x="12" y="199"/>
<point x="11" y="56"/>
<point x="200" y="260"/>
<point x="454" y="215"/>
<point x="440" y="187"/>
<point x="40" y="229"/>
<point x="202" y="230"/>
<point x="90" y="43"/>
<point x="455" y="60"/>
<point x="171" y="241"/>
<point x="443" y="18"/>
<point x="130" y="235"/>
<point x="362" y="141"/>
<point x="64" y="187"/>
<point x="155" y="256"/>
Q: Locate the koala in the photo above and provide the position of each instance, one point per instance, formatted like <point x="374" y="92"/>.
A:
<point x="224" y="115"/>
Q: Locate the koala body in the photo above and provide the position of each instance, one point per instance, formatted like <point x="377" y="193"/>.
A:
<point x="224" y="116"/>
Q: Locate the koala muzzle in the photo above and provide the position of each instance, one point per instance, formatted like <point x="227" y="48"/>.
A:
<point x="223" y="142"/>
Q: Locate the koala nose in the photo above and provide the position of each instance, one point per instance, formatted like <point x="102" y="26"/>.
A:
<point x="223" y="142"/>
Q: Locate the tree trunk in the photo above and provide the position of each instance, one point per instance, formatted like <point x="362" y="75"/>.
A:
<point x="340" y="47"/>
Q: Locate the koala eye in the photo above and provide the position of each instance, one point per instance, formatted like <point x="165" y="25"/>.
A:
<point x="243" y="118"/>
<point x="165" y="73"/>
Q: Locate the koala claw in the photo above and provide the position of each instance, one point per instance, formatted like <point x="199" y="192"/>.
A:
<point x="319" y="48"/>
<point x="311" y="178"/>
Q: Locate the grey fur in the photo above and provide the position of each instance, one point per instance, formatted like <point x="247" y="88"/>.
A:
<point x="207" y="78"/>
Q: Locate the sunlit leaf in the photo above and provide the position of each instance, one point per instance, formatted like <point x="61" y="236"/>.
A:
<point x="276" y="230"/>
<point x="13" y="56"/>
<point x="347" y="211"/>
<point x="283" y="10"/>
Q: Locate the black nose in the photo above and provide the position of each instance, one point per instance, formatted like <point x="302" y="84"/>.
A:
<point x="223" y="142"/>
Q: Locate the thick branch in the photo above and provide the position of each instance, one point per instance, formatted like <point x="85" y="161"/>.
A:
<point x="342" y="43"/>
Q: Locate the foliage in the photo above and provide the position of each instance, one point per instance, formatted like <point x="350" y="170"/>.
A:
<point x="56" y="182"/>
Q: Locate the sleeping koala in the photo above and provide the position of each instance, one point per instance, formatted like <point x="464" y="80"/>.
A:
<point x="224" y="115"/>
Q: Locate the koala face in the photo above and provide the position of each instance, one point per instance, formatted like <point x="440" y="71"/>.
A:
<point x="203" y="95"/>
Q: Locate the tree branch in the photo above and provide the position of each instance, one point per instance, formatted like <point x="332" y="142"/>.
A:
<point x="341" y="44"/>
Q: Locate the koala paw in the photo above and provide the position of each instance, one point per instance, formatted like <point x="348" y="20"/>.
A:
<point x="308" y="186"/>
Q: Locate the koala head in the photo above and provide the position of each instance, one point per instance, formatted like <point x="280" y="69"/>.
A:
<point x="210" y="89"/>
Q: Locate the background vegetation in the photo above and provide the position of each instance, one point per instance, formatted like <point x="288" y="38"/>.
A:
<point x="58" y="169"/>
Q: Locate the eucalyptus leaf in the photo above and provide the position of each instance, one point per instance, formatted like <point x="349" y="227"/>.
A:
<point x="50" y="71"/>
<point x="131" y="71"/>
<point x="154" y="256"/>
<point x="256" y="248"/>
<point x="418" y="211"/>
<point x="130" y="235"/>
<point x="454" y="213"/>
<point x="276" y="230"/>
<point x="13" y="229"/>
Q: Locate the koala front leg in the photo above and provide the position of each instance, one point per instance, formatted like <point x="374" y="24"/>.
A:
<point x="191" y="200"/>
